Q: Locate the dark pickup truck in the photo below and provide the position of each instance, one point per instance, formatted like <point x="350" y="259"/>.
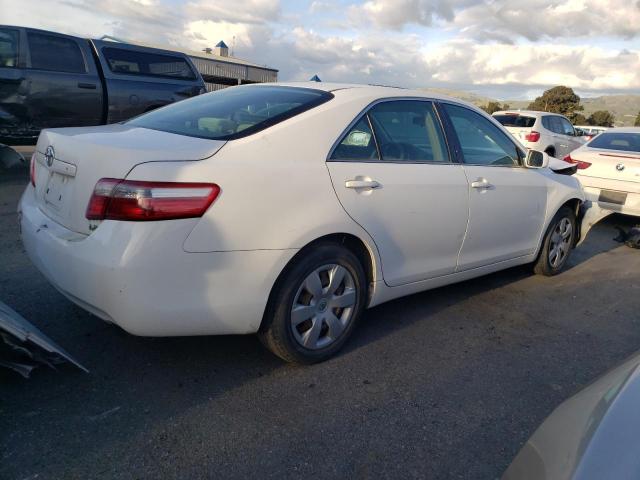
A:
<point x="52" y="80"/>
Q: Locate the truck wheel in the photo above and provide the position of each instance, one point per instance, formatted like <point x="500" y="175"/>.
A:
<point x="315" y="305"/>
<point x="557" y="243"/>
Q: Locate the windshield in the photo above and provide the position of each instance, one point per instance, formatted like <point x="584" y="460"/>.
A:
<point x="513" y="120"/>
<point x="624" y="142"/>
<point x="233" y="112"/>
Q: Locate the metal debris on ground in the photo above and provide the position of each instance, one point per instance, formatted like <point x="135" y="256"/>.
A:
<point x="23" y="347"/>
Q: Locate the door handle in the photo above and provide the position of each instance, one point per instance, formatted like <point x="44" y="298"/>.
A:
<point x="90" y="86"/>
<point x="482" y="184"/>
<point x="362" y="184"/>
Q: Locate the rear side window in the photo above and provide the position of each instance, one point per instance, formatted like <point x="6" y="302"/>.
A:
<point x="233" y="112"/>
<point x="408" y="131"/>
<point x="625" y="142"/>
<point x="54" y="53"/>
<point x="511" y="120"/>
<point x="550" y="124"/>
<point x="8" y="47"/>
<point x="134" y="62"/>
<point x="357" y="144"/>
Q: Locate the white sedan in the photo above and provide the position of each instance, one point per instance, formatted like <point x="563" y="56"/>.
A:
<point x="286" y="210"/>
<point x="609" y="169"/>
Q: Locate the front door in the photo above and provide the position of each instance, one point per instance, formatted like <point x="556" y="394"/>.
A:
<point x="393" y="175"/>
<point x="507" y="202"/>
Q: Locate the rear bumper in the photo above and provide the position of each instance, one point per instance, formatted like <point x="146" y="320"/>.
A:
<point x="137" y="275"/>
<point x="622" y="200"/>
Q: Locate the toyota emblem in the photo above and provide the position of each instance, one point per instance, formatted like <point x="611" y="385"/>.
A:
<point x="49" y="155"/>
<point x="620" y="167"/>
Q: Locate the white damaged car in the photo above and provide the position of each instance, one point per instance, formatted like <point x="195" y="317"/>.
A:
<point x="286" y="210"/>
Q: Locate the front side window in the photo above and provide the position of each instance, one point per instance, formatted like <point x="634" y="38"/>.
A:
<point x="8" y="48"/>
<point x="357" y="144"/>
<point x="55" y="53"/>
<point x="408" y="131"/>
<point x="624" y="142"/>
<point x="233" y="112"/>
<point x="481" y="141"/>
<point x="567" y="128"/>
<point x="134" y="62"/>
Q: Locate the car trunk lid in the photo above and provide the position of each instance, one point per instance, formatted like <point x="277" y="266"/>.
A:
<point x="70" y="161"/>
<point x="609" y="164"/>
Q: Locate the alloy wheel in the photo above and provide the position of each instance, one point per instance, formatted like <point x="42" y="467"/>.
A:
<point x="560" y="243"/>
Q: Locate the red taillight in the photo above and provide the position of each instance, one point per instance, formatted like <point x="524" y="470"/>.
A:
<point x="532" y="136"/>
<point x="115" y="199"/>
<point x="580" y="165"/>
<point x="32" y="169"/>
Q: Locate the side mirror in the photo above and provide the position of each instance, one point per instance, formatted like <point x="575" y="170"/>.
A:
<point x="536" y="159"/>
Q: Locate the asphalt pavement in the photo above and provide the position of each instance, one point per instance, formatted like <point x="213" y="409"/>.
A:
<point x="444" y="384"/>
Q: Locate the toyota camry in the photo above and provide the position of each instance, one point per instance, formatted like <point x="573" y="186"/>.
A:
<point x="286" y="210"/>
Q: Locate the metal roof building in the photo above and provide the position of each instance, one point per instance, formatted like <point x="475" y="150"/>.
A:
<point x="219" y="69"/>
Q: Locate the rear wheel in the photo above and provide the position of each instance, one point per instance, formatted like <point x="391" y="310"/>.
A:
<point x="557" y="243"/>
<point x="315" y="305"/>
<point x="550" y="151"/>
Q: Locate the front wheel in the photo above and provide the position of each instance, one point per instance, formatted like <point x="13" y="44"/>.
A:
<point x="557" y="243"/>
<point x="315" y="305"/>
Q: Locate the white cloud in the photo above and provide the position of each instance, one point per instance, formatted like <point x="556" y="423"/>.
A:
<point x="266" y="33"/>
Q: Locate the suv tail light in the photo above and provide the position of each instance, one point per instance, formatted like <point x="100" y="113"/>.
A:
<point x="580" y="165"/>
<point x="32" y="169"/>
<point x="115" y="199"/>
<point x="532" y="136"/>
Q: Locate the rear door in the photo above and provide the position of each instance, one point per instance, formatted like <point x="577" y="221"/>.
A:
<point x="64" y="86"/>
<point x="507" y="202"/>
<point x="394" y="176"/>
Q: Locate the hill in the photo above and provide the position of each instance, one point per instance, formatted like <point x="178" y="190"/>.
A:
<point x="624" y="107"/>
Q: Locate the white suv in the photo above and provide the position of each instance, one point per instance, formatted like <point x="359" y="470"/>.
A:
<point x="543" y="131"/>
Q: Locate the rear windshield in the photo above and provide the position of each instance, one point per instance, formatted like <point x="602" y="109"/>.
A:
<point x="625" y="142"/>
<point x="509" y="120"/>
<point x="233" y="112"/>
<point x="133" y="62"/>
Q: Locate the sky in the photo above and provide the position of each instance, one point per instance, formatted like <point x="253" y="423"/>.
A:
<point x="504" y="49"/>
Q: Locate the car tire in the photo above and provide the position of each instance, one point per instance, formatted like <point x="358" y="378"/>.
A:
<point x="316" y="303"/>
<point x="551" y="152"/>
<point x="557" y="243"/>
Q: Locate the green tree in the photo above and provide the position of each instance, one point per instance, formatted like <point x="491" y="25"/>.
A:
<point x="601" y="118"/>
<point x="492" y="107"/>
<point x="637" y="122"/>
<point x="579" y="119"/>
<point x="560" y="99"/>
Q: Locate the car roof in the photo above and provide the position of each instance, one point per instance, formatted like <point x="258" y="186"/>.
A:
<point x="360" y="90"/>
<point x="532" y="113"/>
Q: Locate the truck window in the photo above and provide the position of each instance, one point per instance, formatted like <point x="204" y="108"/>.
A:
<point x="8" y="47"/>
<point x="55" y="53"/>
<point x="132" y="62"/>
